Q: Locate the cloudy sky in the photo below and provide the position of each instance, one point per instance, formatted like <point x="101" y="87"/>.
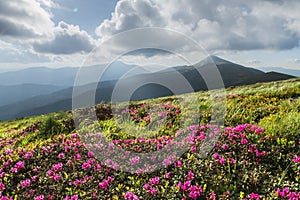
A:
<point x="59" y="33"/>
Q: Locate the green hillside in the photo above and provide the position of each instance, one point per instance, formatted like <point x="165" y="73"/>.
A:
<point x="256" y="154"/>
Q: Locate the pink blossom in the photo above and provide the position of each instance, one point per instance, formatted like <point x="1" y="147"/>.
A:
<point x="168" y="175"/>
<point x="225" y="146"/>
<point x="213" y="196"/>
<point x="222" y="160"/>
<point x="190" y="176"/>
<point x="9" y="151"/>
<point x="61" y="156"/>
<point x="90" y="154"/>
<point x="2" y="174"/>
<point x="58" y="167"/>
<point x="74" y="197"/>
<point x="28" y="155"/>
<point x="254" y="196"/>
<point x="110" y="179"/>
<point x="20" y="165"/>
<point x="2" y="187"/>
<point x="14" y="170"/>
<point x="77" y="157"/>
<point x="104" y="184"/>
<point x="34" y="178"/>
<point x="130" y="196"/>
<point x="154" y="181"/>
<point x="296" y="159"/>
<point x="97" y="167"/>
<point x="36" y="169"/>
<point x="40" y="197"/>
<point x="86" y="166"/>
<point x="25" y="183"/>
<point x="178" y="164"/>
<point x="56" y="177"/>
<point x="215" y="156"/>
<point x="244" y="141"/>
<point x="153" y="191"/>
<point x="50" y="172"/>
<point x="135" y="160"/>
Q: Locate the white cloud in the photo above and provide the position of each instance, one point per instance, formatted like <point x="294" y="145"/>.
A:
<point x="216" y="24"/>
<point x="30" y="22"/>
<point x="25" y="18"/>
<point x="66" y="39"/>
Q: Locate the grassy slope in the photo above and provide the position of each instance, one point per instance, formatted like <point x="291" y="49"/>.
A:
<point x="274" y="106"/>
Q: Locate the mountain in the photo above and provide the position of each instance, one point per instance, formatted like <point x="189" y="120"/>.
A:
<point x="292" y="72"/>
<point x="16" y="93"/>
<point x="40" y="75"/>
<point x="63" y="76"/>
<point x="231" y="73"/>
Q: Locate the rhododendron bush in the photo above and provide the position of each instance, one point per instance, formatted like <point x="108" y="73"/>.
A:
<point x="255" y="155"/>
<point x="245" y="163"/>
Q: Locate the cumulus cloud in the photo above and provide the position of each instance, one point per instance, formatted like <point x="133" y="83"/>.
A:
<point x="215" y="24"/>
<point x="131" y="14"/>
<point x="30" y="22"/>
<point x="67" y="39"/>
<point x="25" y="18"/>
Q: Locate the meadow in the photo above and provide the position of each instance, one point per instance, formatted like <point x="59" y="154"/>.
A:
<point x="256" y="154"/>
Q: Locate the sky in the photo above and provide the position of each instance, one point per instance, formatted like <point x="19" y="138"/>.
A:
<point x="65" y="33"/>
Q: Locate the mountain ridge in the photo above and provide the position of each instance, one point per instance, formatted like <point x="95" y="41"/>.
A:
<point x="231" y="73"/>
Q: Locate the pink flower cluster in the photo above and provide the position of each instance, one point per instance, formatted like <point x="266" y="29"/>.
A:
<point x="285" y="193"/>
<point x="297" y="159"/>
<point x="105" y="183"/>
<point x="194" y="190"/>
<point x="130" y="196"/>
<point x="219" y="158"/>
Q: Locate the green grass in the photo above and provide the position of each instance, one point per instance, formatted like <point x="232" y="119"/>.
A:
<point x="274" y="106"/>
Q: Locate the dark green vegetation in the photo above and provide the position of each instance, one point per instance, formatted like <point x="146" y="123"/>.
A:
<point x="255" y="157"/>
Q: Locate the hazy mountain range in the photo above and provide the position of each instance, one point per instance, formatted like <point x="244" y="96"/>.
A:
<point x="37" y="91"/>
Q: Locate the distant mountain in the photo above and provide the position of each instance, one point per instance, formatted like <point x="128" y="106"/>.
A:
<point x="40" y="75"/>
<point x="16" y="93"/>
<point x="231" y="73"/>
<point x="292" y="72"/>
<point x="63" y="76"/>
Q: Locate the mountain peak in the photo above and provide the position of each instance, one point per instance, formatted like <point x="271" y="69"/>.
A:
<point x="217" y="59"/>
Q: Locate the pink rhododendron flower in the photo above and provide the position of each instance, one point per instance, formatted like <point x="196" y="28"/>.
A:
<point x="77" y="157"/>
<point x="56" y="177"/>
<point x="168" y="175"/>
<point x="40" y="197"/>
<point x="86" y="166"/>
<point x="61" y="156"/>
<point x="20" y="165"/>
<point x="90" y="154"/>
<point x="130" y="196"/>
<point x="178" y="163"/>
<point x="190" y="176"/>
<point x="254" y="196"/>
<point x="97" y="167"/>
<point x="222" y="160"/>
<point x="154" y="181"/>
<point x="2" y="187"/>
<point x="58" y="167"/>
<point x="25" y="183"/>
<point x="104" y="184"/>
<point x="135" y="160"/>
<point x="244" y="141"/>
<point x="296" y="159"/>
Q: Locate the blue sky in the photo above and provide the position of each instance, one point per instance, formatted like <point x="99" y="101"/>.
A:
<point x="61" y="33"/>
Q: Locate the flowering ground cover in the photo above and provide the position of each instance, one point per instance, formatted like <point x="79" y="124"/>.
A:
<point x="256" y="154"/>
